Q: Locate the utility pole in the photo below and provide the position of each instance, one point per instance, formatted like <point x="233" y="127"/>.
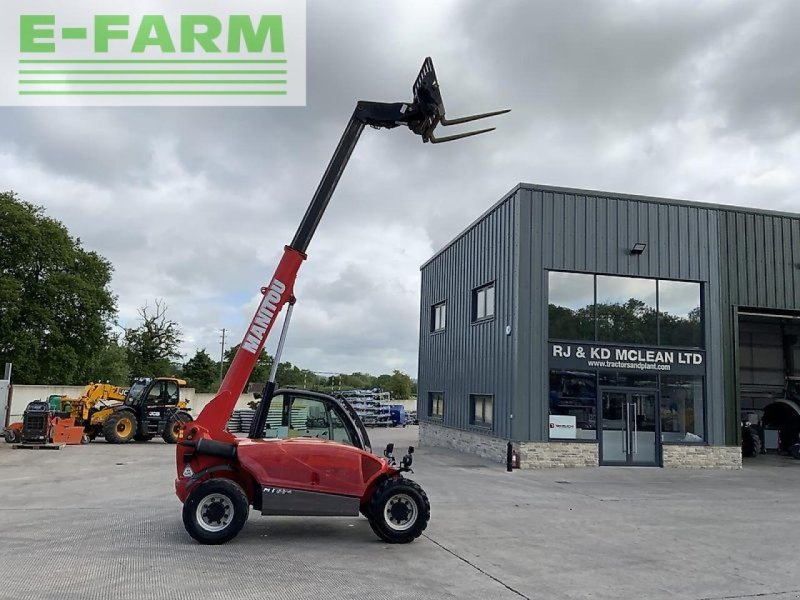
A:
<point x="222" y="356"/>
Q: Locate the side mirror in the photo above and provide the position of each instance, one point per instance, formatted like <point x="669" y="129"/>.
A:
<point x="405" y="464"/>
<point x="389" y="453"/>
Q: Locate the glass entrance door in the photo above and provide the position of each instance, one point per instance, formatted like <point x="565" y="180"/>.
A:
<point x="629" y="427"/>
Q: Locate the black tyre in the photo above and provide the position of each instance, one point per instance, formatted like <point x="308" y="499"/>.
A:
<point x="795" y="451"/>
<point x="173" y="428"/>
<point x="215" y="511"/>
<point x="399" y="511"/>
<point x="751" y="442"/>
<point x="142" y="437"/>
<point x="12" y="436"/>
<point x="120" y="427"/>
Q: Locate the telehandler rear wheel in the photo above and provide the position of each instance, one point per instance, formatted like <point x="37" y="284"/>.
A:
<point x="120" y="428"/>
<point x="215" y="511"/>
<point x="399" y="511"/>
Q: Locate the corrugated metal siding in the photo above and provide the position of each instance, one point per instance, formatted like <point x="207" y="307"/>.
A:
<point x="470" y="358"/>
<point x="759" y="255"/>
<point x="586" y="232"/>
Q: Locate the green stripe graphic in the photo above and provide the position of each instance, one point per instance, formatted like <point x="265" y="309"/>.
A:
<point x="159" y="72"/>
<point x="149" y="81"/>
<point x="153" y="93"/>
<point x="152" y="61"/>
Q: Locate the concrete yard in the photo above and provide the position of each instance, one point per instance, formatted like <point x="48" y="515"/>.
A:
<point x="102" y="522"/>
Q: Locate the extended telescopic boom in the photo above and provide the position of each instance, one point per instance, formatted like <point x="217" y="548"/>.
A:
<point x="422" y="116"/>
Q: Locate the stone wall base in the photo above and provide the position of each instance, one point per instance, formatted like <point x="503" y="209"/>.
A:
<point x="702" y="457"/>
<point x="541" y="455"/>
<point x="470" y="442"/>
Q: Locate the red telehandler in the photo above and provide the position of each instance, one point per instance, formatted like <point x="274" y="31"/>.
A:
<point x="306" y="454"/>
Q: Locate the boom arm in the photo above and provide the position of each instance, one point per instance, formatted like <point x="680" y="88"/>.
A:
<point x="421" y="116"/>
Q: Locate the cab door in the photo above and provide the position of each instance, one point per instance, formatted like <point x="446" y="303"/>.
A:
<point x="293" y="415"/>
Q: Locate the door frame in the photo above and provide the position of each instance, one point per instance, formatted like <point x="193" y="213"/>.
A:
<point x="658" y="460"/>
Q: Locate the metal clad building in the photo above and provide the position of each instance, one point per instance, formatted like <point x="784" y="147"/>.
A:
<point x="590" y="327"/>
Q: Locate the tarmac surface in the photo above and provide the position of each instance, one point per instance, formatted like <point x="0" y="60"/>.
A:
<point x="102" y="522"/>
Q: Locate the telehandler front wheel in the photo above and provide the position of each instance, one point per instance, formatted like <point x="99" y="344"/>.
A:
<point x="120" y="428"/>
<point x="215" y="511"/>
<point x="173" y="428"/>
<point x="399" y="511"/>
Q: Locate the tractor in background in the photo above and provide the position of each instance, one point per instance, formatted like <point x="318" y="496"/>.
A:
<point x="149" y="408"/>
<point x="152" y="407"/>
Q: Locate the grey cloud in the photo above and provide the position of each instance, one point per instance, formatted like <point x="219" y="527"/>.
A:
<point x="663" y="98"/>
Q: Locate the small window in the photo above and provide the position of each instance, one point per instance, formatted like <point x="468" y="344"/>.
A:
<point x="482" y="407"/>
<point x="483" y="302"/>
<point x="436" y="404"/>
<point x="438" y="316"/>
<point x="173" y="392"/>
<point x="155" y="395"/>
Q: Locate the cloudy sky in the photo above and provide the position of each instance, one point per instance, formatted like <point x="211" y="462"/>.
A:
<point x="699" y="101"/>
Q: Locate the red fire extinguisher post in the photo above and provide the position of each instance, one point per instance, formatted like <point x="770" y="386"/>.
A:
<point x="512" y="458"/>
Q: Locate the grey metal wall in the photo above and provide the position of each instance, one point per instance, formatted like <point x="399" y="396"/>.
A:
<point x="470" y="358"/>
<point x="760" y="255"/>
<point x="593" y="232"/>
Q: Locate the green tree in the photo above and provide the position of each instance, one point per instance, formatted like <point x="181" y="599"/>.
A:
<point x="109" y="364"/>
<point x="398" y="384"/>
<point x="260" y="371"/>
<point x="153" y="345"/>
<point x="201" y="371"/>
<point x="55" y="301"/>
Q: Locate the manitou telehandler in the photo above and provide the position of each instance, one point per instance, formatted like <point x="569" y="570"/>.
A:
<point x="314" y="459"/>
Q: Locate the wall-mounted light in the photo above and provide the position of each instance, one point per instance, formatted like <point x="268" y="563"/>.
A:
<point x="638" y="248"/>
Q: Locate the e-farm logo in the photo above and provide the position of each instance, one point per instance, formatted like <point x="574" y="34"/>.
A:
<point x="162" y="52"/>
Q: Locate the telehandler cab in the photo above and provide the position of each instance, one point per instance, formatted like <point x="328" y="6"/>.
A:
<point x="306" y="454"/>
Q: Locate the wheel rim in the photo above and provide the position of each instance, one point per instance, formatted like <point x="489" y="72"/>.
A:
<point x="124" y="427"/>
<point x="400" y="512"/>
<point x="214" y="513"/>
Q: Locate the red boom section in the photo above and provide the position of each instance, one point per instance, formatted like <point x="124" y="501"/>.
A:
<point x="280" y="290"/>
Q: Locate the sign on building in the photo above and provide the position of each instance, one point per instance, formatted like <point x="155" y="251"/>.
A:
<point x="563" y="427"/>
<point x="589" y="356"/>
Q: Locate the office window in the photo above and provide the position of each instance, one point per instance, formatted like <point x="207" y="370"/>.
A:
<point x="481" y="409"/>
<point x="436" y="404"/>
<point x="438" y="316"/>
<point x="571" y="306"/>
<point x="680" y="316"/>
<point x="573" y="405"/>
<point x="483" y="302"/>
<point x="682" y="408"/>
<point x="626" y="310"/>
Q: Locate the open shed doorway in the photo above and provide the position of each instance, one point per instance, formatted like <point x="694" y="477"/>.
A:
<point x="769" y="383"/>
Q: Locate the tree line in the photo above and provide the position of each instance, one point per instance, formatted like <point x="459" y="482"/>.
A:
<point x="58" y="320"/>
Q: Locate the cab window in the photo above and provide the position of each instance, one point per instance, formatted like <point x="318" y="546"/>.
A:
<point x="296" y="416"/>
<point x="172" y="392"/>
<point x="154" y="395"/>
